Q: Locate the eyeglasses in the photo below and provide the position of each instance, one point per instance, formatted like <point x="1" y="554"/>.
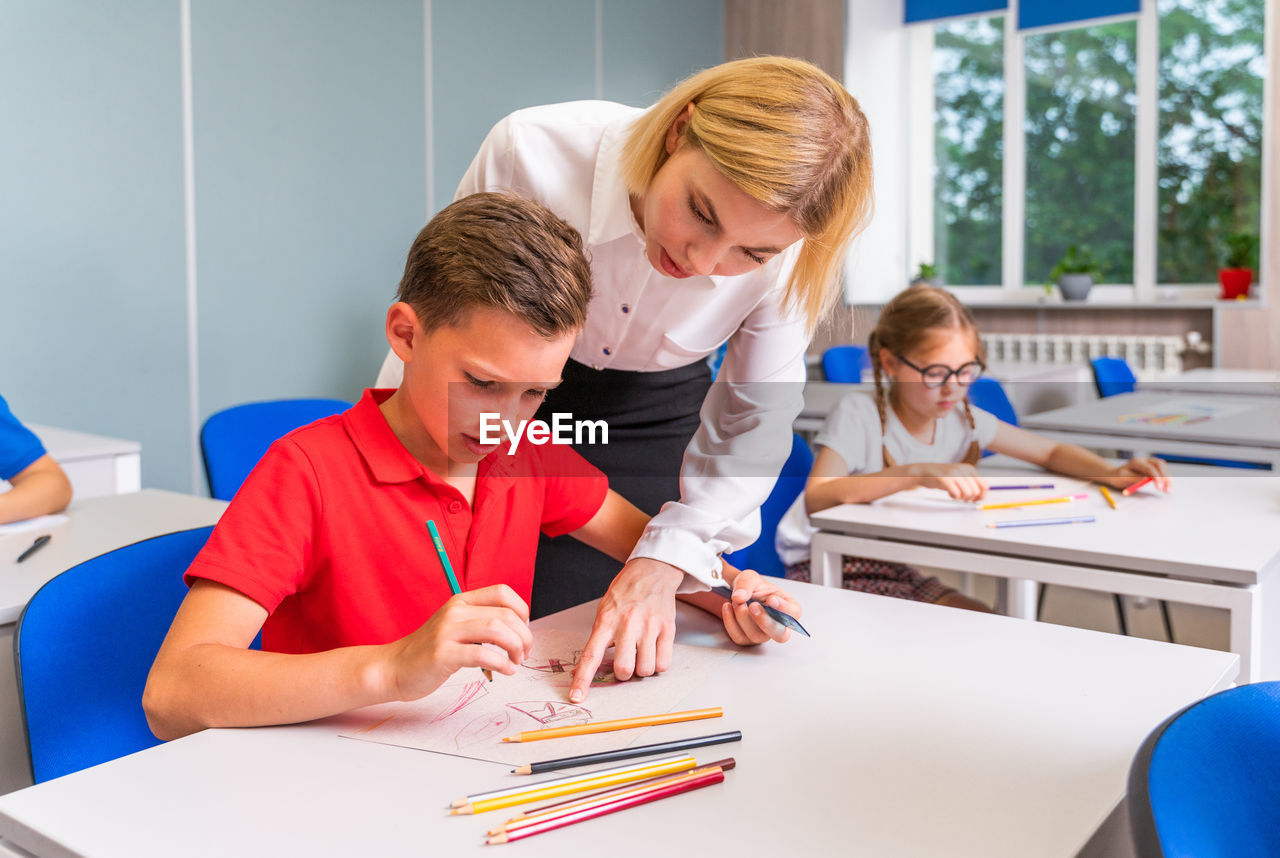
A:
<point x="938" y="374"/>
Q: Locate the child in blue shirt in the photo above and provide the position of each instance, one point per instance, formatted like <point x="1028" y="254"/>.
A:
<point x="39" y="486"/>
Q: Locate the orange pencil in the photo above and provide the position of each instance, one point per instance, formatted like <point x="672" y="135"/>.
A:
<point x="1139" y="484"/>
<point x="620" y="724"/>
<point x="1111" y="502"/>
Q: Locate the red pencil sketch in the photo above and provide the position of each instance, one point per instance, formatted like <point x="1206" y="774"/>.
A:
<point x="483" y="728"/>
<point x="553" y="712"/>
<point x="469" y="693"/>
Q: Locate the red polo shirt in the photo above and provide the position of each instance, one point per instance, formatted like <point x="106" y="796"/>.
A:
<point x="328" y="532"/>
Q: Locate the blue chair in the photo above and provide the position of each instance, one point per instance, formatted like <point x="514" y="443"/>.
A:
<point x="1206" y="782"/>
<point x="845" y="363"/>
<point x="1112" y="375"/>
<point x="988" y="394"/>
<point x="233" y="440"/>
<point x="761" y="555"/>
<point x="84" y="645"/>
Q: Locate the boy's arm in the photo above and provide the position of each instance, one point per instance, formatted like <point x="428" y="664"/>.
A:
<point x="38" y="489"/>
<point x="205" y="676"/>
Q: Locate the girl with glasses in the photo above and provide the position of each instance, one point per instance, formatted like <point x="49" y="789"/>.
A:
<point x="919" y="429"/>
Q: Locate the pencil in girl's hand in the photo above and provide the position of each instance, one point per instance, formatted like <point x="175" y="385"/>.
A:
<point x="1139" y="484"/>
<point x="1106" y="494"/>
<point x="1012" y="504"/>
<point x="619" y="724"/>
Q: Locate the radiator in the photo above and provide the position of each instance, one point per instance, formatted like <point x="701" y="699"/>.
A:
<point x="1151" y="357"/>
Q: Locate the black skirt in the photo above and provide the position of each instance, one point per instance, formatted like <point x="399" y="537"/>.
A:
<point x="652" y="417"/>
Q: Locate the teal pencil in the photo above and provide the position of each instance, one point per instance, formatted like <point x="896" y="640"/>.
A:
<point x="448" y="571"/>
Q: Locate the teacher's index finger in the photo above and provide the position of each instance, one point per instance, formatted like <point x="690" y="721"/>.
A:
<point x="592" y="654"/>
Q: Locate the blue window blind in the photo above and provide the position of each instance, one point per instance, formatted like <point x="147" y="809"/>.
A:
<point x="1045" y="13"/>
<point x="931" y="10"/>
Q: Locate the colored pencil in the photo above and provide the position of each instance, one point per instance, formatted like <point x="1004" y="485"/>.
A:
<point x="620" y="724"/>
<point x="536" y="792"/>
<point x="448" y="572"/>
<point x="596" y="799"/>
<point x="1012" y="504"/>
<point x="1106" y="494"/>
<point x="1035" y="522"/>
<point x="627" y="753"/>
<point x="1011" y="488"/>
<point x="660" y="762"/>
<point x="1139" y="484"/>
<point x="586" y="813"/>
<point x="726" y="764"/>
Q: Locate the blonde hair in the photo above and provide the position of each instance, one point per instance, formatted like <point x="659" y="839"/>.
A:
<point x="790" y="136"/>
<point x="913" y="317"/>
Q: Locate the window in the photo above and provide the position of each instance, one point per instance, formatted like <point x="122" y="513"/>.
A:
<point x="1140" y="138"/>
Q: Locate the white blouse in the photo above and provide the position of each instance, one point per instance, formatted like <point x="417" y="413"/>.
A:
<point x="567" y="156"/>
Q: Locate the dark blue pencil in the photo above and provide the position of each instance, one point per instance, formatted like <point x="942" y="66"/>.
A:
<point x="628" y="753"/>
<point x="1010" y="488"/>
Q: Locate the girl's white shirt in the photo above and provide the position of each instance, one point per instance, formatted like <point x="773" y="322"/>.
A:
<point x="567" y="156"/>
<point x="853" y="431"/>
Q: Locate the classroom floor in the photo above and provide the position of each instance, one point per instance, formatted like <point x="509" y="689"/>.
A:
<point x="1193" y="625"/>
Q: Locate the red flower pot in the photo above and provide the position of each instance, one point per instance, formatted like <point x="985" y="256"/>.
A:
<point x="1235" y="282"/>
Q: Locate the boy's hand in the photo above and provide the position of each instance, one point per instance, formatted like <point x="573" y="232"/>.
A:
<point x="961" y="481"/>
<point x="422" y="661"/>
<point x="638" y="616"/>
<point x="1135" y="469"/>
<point x="748" y="625"/>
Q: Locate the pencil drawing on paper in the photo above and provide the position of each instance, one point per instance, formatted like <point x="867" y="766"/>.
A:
<point x="470" y="716"/>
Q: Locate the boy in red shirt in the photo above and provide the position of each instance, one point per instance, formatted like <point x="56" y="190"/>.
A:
<point x="325" y="547"/>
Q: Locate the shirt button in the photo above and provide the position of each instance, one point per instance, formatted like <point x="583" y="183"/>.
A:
<point x="626" y="308"/>
<point x="595" y="366"/>
<point x="455" y="507"/>
<point x="607" y="350"/>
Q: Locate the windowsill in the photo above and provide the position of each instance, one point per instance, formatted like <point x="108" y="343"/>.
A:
<point x="1102" y="297"/>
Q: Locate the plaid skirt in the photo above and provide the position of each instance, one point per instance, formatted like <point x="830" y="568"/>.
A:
<point x="882" y="578"/>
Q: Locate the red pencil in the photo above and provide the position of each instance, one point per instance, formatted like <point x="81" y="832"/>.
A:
<point x="586" y="813"/>
<point x="1139" y="484"/>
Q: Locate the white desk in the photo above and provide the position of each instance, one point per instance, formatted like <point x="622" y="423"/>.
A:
<point x="95" y="465"/>
<point x="1240" y="382"/>
<point x="900" y="729"/>
<point x="93" y="527"/>
<point x="1212" y="542"/>
<point x="1247" y="430"/>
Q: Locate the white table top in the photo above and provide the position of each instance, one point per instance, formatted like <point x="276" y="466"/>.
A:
<point x="1243" y="382"/>
<point x="1208" y="528"/>
<point x="94" y="527"/>
<point x="900" y="729"/>
<point x="67" y="445"/>
<point x="1246" y="421"/>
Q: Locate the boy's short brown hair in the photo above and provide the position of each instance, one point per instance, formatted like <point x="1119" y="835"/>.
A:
<point x="502" y="251"/>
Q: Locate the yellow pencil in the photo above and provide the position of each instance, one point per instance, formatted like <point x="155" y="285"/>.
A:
<point x="578" y="785"/>
<point x="620" y="724"/>
<point x="1111" y="502"/>
<point x="1012" y="504"/>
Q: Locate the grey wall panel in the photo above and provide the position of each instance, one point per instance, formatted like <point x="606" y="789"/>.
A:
<point x="92" y="296"/>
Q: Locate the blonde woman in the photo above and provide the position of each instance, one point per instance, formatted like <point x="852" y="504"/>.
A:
<point x="721" y="213"/>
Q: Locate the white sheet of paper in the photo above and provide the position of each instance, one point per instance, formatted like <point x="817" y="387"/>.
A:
<point x="469" y="717"/>
<point x="32" y="523"/>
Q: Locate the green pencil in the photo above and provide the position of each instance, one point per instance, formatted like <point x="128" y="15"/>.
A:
<point x="448" y="571"/>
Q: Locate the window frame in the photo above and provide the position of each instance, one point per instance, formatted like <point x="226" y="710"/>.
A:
<point x="1014" y="290"/>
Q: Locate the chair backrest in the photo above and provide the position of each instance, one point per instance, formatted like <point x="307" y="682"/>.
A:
<point x="1207" y="780"/>
<point x="761" y="555"/>
<point x="845" y="363"/>
<point x="1112" y="375"/>
<point x="988" y="394"/>
<point x="84" y="645"/>
<point x="233" y="440"/>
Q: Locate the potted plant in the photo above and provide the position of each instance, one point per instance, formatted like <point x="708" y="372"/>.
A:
<point x="926" y="274"/>
<point x="1236" y="272"/>
<point x="1074" y="273"/>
